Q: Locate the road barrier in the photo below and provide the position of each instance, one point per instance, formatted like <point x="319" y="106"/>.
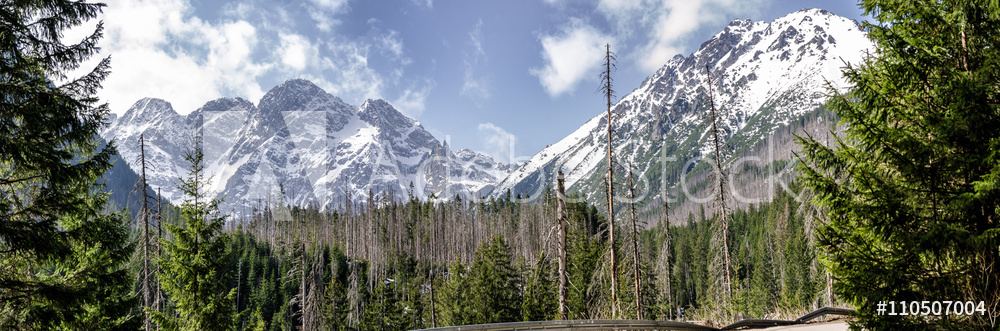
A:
<point x="642" y="324"/>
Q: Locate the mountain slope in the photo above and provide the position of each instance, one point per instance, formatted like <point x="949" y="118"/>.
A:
<point x="764" y="77"/>
<point x="301" y="141"/>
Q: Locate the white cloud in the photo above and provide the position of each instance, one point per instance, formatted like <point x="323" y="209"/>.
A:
<point x="570" y="56"/>
<point x="348" y="64"/>
<point x="426" y="3"/>
<point x="497" y="142"/>
<point x="325" y="12"/>
<point x="323" y="21"/>
<point x="186" y="85"/>
<point x="670" y="22"/>
<point x="392" y="44"/>
<point x="332" y="6"/>
<point x="161" y="49"/>
<point x="296" y="51"/>
<point x="412" y="101"/>
<point x="476" y="87"/>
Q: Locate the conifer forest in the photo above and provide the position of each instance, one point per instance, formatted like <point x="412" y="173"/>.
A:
<point x="901" y="204"/>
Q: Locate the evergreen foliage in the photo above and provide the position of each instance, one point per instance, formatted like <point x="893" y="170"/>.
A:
<point x="539" y="302"/>
<point x="195" y="274"/>
<point x="911" y="192"/>
<point x="454" y="297"/>
<point x="62" y="258"/>
<point x="495" y="284"/>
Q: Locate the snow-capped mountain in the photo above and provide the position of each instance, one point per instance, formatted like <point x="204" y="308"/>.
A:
<point x="764" y="75"/>
<point x="302" y="140"/>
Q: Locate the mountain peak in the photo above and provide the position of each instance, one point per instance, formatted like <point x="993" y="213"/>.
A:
<point x="766" y="75"/>
<point x="148" y="109"/>
<point x="154" y="104"/>
<point x="298" y="84"/>
<point x="815" y="11"/>
<point x="293" y="94"/>
<point x="383" y="115"/>
<point x="226" y="104"/>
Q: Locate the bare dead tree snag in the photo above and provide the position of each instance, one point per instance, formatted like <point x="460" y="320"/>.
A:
<point x="606" y="81"/>
<point x="561" y="223"/>
<point x="145" y="215"/>
<point x="159" y="248"/>
<point x="721" y="197"/>
<point x="665" y="253"/>
<point x="635" y="244"/>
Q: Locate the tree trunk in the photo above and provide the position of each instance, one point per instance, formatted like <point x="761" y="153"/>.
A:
<point x="608" y="92"/>
<point x="144" y="213"/>
<point x="433" y="299"/>
<point x="667" y="255"/>
<point x="727" y="282"/>
<point x="159" y="249"/>
<point x="561" y="223"/>
<point x="635" y="244"/>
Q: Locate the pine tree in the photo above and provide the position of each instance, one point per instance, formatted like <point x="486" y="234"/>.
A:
<point x="540" y="299"/>
<point x="454" y="300"/>
<point x="911" y="191"/>
<point x="62" y="256"/>
<point x="194" y="273"/>
<point x="495" y="284"/>
<point x="665" y="263"/>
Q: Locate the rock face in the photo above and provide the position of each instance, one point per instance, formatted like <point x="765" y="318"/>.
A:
<point x="303" y="141"/>
<point x="764" y="75"/>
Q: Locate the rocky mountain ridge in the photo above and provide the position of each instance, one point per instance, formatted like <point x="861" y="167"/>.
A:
<point x="299" y="139"/>
<point x="765" y="75"/>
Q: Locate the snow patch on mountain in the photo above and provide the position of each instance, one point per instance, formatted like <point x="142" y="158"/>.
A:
<point x="302" y="141"/>
<point x="763" y="75"/>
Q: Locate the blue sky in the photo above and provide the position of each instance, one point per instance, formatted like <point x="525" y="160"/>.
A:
<point x="477" y="73"/>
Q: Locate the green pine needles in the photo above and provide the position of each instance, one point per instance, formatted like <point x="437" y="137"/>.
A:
<point x="911" y="193"/>
<point x="62" y="257"/>
<point x="195" y="272"/>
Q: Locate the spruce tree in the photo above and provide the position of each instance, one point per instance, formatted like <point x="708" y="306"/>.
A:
<point x="495" y="284"/>
<point x="195" y="272"/>
<point x="61" y="256"/>
<point x="911" y="191"/>
<point x="454" y="301"/>
<point x="540" y="300"/>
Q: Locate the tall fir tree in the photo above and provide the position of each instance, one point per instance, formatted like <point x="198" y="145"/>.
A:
<point x="495" y="284"/>
<point x="912" y="190"/>
<point x="61" y="256"/>
<point x="195" y="272"/>
<point x="454" y="299"/>
<point x="540" y="301"/>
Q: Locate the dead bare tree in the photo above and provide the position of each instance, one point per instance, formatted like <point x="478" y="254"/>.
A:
<point x="144" y="214"/>
<point x="159" y="248"/>
<point x="666" y="259"/>
<point x="721" y="193"/>
<point x="635" y="244"/>
<point x="561" y="223"/>
<point x="609" y="59"/>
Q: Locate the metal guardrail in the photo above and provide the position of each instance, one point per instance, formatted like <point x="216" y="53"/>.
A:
<point x="825" y="311"/>
<point x="581" y="325"/>
<point x="641" y="324"/>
